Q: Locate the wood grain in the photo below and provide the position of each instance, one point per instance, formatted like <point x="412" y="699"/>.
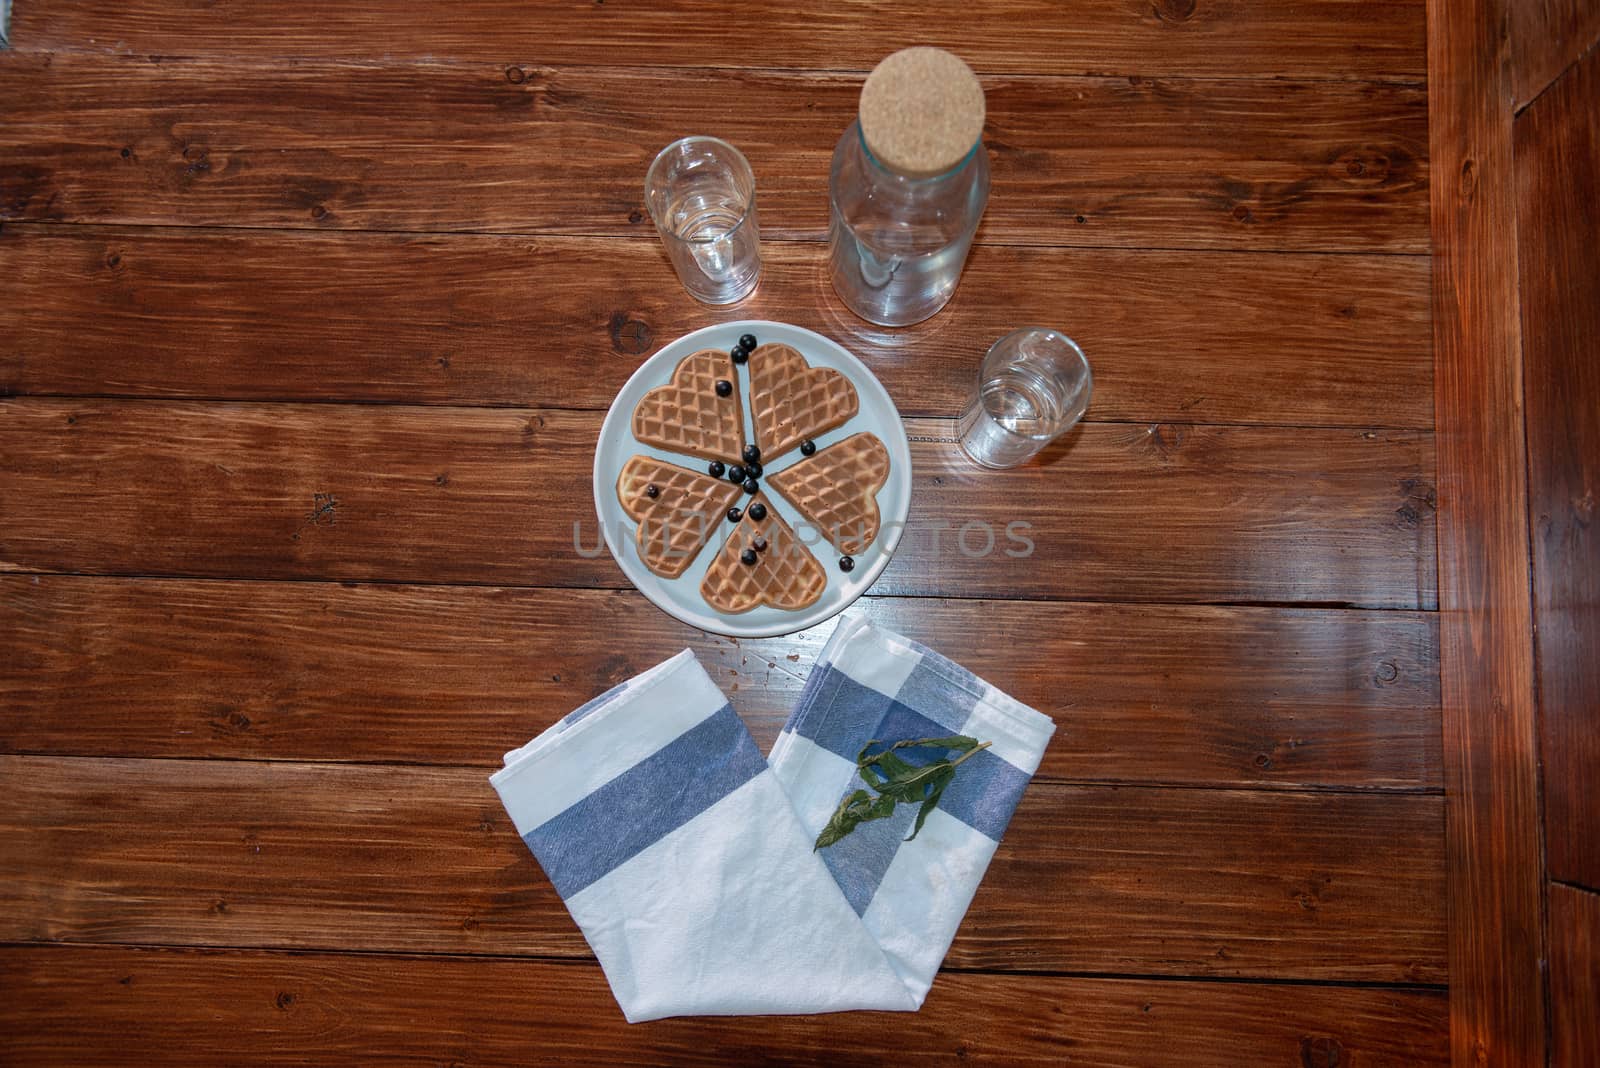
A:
<point x="1548" y="37"/>
<point x="1271" y="527"/>
<point x="1244" y="883"/>
<point x="561" y="322"/>
<point x="1324" y="38"/>
<point x="503" y="496"/>
<point x="1558" y="174"/>
<point x="1238" y="793"/>
<point x="432" y="675"/>
<point x="1486" y="658"/>
<point x="84" y="1005"/>
<point x="486" y="147"/>
<point x="1574" y="977"/>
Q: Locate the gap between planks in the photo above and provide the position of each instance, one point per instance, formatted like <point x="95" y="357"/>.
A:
<point x="286" y="399"/>
<point x="588" y="962"/>
<point x="357" y="62"/>
<point x="1134" y="601"/>
<point x="1041" y="778"/>
<point x="44" y="226"/>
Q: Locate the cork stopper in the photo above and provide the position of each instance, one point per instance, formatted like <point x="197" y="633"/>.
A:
<point x="921" y="111"/>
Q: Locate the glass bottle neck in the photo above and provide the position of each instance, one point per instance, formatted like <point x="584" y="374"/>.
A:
<point x="891" y="173"/>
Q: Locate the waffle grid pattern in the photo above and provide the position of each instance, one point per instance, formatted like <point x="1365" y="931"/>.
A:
<point x="687" y="416"/>
<point x="676" y="524"/>
<point x="791" y="401"/>
<point x="785" y="574"/>
<point x="836" y="490"/>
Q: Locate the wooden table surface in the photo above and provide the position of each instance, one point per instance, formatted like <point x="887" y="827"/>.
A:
<point x="311" y="312"/>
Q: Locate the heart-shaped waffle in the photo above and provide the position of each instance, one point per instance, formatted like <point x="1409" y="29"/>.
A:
<point x="675" y="524"/>
<point x="785" y="574"/>
<point x="688" y="416"/>
<point x="791" y="401"/>
<point x="837" y="490"/>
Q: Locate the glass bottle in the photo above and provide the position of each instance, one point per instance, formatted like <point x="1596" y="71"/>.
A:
<point x="909" y="183"/>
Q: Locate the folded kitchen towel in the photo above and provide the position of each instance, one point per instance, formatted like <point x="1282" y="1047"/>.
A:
<point x="686" y="859"/>
<point x="873" y="684"/>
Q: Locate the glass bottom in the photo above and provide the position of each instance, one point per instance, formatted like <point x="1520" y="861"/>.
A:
<point x="987" y="441"/>
<point x="724" y="294"/>
<point x="892" y="290"/>
<point x="714" y="243"/>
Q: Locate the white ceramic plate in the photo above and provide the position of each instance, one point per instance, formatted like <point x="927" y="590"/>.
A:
<point x="680" y="597"/>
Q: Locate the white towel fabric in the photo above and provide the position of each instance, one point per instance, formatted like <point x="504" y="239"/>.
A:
<point x="687" y="860"/>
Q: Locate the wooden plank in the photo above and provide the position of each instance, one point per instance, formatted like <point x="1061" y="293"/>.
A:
<point x="1076" y="161"/>
<point x="432" y="675"/>
<point x="280" y="491"/>
<point x="1238" y="883"/>
<point x="1319" y="39"/>
<point x="1114" y="512"/>
<point x="1294" y="339"/>
<point x="1558" y="174"/>
<point x="1271" y="525"/>
<point x="1491" y="746"/>
<point x="91" y="1005"/>
<point x="1574" y="977"/>
<point x="1548" y="37"/>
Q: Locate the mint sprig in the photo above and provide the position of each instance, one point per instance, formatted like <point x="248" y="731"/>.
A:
<point x="896" y="780"/>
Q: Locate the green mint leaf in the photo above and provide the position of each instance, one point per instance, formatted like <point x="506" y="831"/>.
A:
<point x="959" y="742"/>
<point x="843" y="820"/>
<point x="853" y="811"/>
<point x="896" y="781"/>
<point x="915" y="783"/>
<point x="929" y="805"/>
<point x="884" y="767"/>
<point x="881" y="808"/>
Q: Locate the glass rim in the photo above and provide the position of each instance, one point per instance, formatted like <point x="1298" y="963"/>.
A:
<point x="1072" y="346"/>
<point x="744" y="164"/>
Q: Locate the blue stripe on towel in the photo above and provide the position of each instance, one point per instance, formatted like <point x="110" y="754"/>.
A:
<point x="845" y="715"/>
<point x="984" y="793"/>
<point x="647" y="802"/>
<point x="941" y="690"/>
<point x="839" y="713"/>
<point x="859" y="860"/>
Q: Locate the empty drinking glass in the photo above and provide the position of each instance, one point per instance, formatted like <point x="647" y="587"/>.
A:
<point x="702" y="196"/>
<point x="1033" y="386"/>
